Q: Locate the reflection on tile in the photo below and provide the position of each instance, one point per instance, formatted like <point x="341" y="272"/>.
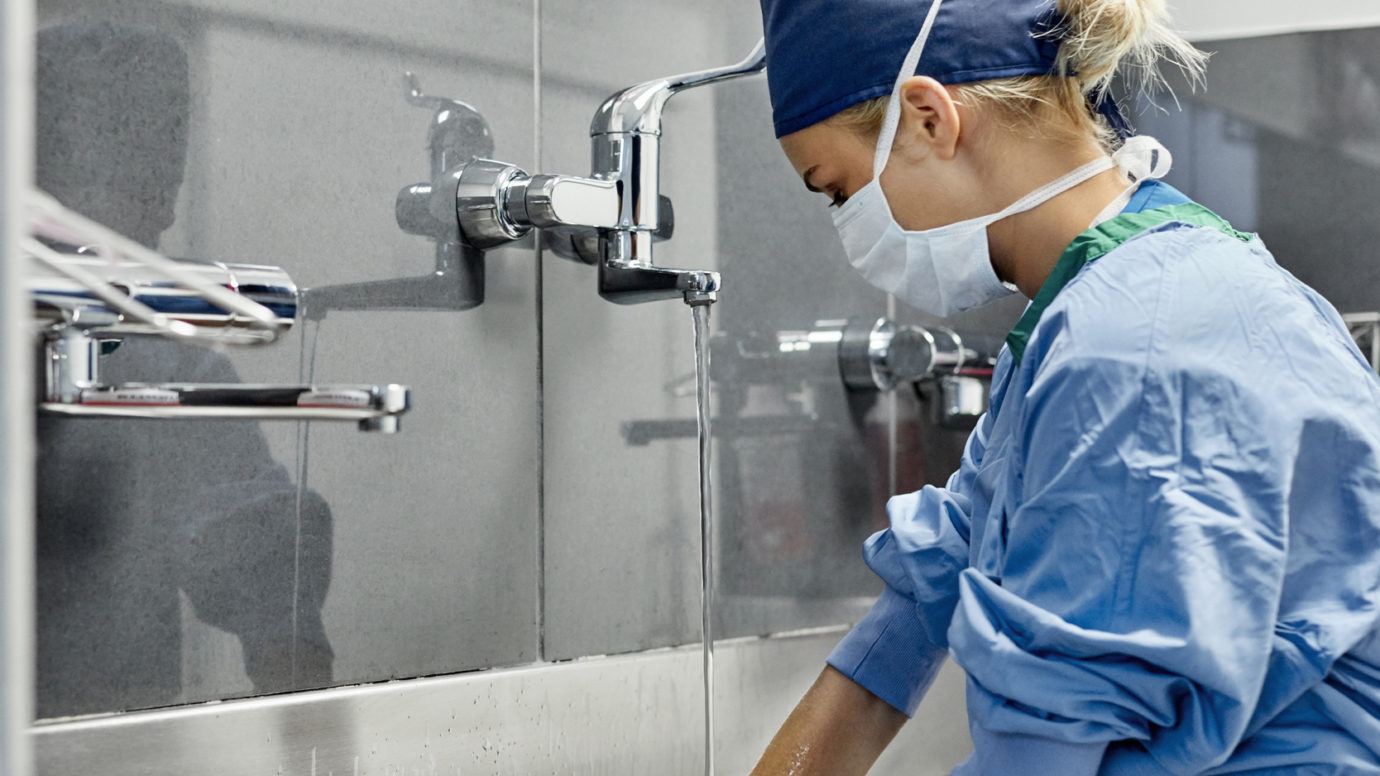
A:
<point x="1285" y="141"/>
<point x="183" y="562"/>
<point x="802" y="464"/>
<point x="435" y="563"/>
<point x="131" y="514"/>
<point x="621" y="522"/>
<point x="794" y="507"/>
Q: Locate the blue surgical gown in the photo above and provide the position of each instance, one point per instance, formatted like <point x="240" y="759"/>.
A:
<point x="1161" y="553"/>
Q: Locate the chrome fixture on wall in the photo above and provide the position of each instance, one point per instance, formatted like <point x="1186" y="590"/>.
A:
<point x="611" y="218"/>
<point x="959" y="399"/>
<point x="457" y="134"/>
<point x="866" y="355"/>
<point x="86" y="297"/>
<point x="886" y="354"/>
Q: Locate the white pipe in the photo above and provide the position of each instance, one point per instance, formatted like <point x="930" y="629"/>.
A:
<point x="17" y="582"/>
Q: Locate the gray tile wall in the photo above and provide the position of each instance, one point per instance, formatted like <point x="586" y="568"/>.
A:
<point x="513" y="520"/>
<point x="301" y="558"/>
<point x="621" y="524"/>
<point x="1285" y="140"/>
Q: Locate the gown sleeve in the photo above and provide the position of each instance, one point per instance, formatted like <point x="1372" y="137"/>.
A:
<point x="898" y="648"/>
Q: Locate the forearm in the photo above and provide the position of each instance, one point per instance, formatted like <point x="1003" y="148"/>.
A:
<point x="837" y="729"/>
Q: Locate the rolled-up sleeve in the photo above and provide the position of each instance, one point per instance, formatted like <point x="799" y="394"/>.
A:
<point x="888" y="654"/>
<point x="897" y="649"/>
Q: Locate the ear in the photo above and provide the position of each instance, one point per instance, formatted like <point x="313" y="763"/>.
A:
<point x="929" y="118"/>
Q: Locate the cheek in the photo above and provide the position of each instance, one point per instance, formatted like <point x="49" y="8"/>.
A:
<point x="921" y="199"/>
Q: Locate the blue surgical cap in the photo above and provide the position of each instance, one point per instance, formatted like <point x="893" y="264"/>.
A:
<point x="827" y="55"/>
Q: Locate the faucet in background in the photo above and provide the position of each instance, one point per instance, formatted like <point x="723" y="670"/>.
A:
<point x="868" y="356"/>
<point x="620" y="202"/>
<point x="458" y="134"/>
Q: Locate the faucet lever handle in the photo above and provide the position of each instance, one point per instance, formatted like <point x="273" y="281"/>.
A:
<point x="639" y="108"/>
<point x="754" y="62"/>
<point x="458" y="133"/>
<point x="416" y="97"/>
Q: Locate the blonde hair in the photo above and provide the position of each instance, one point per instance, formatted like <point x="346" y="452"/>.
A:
<point x="1100" y="39"/>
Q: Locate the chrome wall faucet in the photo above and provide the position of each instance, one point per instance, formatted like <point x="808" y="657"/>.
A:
<point x="613" y="217"/>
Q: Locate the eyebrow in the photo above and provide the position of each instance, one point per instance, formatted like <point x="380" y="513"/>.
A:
<point x="808" y="184"/>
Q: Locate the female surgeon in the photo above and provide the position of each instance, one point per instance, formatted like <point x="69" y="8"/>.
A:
<point x="1161" y="553"/>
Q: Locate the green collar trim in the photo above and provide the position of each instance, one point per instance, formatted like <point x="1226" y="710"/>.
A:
<point x="1102" y="240"/>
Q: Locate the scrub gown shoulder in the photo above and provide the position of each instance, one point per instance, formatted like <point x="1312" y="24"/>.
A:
<point x="1162" y="551"/>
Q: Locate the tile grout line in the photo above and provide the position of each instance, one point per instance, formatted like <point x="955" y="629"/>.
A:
<point x="541" y="346"/>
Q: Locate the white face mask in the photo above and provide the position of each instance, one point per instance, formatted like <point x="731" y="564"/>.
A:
<point x="949" y="270"/>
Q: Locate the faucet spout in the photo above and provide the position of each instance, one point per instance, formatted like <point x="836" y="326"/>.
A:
<point x="626" y="283"/>
<point x="626" y="131"/>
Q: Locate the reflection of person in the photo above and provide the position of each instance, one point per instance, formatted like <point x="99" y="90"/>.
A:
<point x="1161" y="553"/>
<point x="131" y="512"/>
